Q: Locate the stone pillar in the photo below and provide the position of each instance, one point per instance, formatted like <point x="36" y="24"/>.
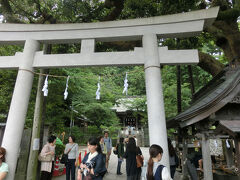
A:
<point x="88" y="46"/>
<point x="155" y="104"/>
<point x="19" y="105"/>
<point x="207" y="163"/>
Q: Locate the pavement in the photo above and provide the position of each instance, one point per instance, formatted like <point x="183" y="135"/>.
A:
<point x="111" y="175"/>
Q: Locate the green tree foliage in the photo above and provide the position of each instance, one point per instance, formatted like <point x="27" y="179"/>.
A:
<point x="169" y="78"/>
<point x="7" y="79"/>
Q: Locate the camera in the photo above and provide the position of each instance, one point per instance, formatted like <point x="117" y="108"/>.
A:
<point x="90" y="164"/>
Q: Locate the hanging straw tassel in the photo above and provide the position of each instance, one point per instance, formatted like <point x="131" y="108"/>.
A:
<point x="227" y="144"/>
<point x="45" y="87"/>
<point x="66" y="92"/>
<point x="125" y="85"/>
<point x="98" y="89"/>
<point x="215" y="143"/>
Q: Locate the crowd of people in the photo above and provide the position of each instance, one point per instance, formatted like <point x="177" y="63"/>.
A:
<point x="95" y="163"/>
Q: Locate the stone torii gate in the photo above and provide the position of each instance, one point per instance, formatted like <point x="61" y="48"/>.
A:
<point x="150" y="55"/>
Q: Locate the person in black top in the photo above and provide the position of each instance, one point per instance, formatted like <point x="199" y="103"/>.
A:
<point x="120" y="153"/>
<point x="93" y="163"/>
<point x="173" y="158"/>
<point x="133" y="173"/>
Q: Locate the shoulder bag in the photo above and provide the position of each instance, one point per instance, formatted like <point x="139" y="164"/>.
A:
<point x="139" y="159"/>
<point x="46" y="158"/>
<point x="64" y="158"/>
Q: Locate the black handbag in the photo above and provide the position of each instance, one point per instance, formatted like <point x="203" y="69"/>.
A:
<point x="64" y="159"/>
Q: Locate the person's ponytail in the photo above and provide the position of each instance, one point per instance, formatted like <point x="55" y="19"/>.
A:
<point x="150" y="169"/>
<point x="154" y="151"/>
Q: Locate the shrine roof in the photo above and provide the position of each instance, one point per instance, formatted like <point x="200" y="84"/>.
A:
<point x="229" y="127"/>
<point x="212" y="97"/>
<point x="233" y="126"/>
<point x="127" y="104"/>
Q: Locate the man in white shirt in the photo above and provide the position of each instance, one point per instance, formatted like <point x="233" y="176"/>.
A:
<point x="108" y="142"/>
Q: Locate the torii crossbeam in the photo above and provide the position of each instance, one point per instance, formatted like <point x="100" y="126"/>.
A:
<point x="150" y="55"/>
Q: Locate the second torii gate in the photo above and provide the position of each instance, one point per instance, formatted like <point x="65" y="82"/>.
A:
<point x="150" y="55"/>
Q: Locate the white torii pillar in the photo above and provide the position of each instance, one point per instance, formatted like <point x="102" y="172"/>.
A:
<point x="18" y="108"/>
<point x="155" y="103"/>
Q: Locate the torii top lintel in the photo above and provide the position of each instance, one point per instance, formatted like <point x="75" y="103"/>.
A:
<point x="177" y="25"/>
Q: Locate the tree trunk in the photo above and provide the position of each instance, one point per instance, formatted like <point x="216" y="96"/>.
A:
<point x="209" y="64"/>
<point x="191" y="79"/>
<point x="179" y="93"/>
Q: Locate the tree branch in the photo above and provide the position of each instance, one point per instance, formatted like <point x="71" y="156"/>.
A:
<point x="8" y="12"/>
<point x="117" y="6"/>
<point x="209" y="64"/>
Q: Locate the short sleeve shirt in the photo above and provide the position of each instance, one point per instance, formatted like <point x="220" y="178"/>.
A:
<point x="108" y="143"/>
<point x="4" y="167"/>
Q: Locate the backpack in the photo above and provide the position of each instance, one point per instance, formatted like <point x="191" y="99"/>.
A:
<point x="158" y="173"/>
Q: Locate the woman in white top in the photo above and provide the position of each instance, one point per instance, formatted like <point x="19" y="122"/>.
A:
<point x="3" y="165"/>
<point x="72" y="150"/>
<point x="155" y="170"/>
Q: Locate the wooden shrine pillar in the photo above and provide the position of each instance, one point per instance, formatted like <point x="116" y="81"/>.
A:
<point x="184" y="157"/>
<point x="237" y="147"/>
<point x="228" y="153"/>
<point x="207" y="163"/>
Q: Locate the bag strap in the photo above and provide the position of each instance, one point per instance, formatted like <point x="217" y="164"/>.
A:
<point x="49" y="150"/>
<point x="138" y="151"/>
<point x="48" y="147"/>
<point x="72" y="147"/>
<point x="158" y="173"/>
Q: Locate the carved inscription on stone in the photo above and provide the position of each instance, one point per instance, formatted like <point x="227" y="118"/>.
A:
<point x="236" y="99"/>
